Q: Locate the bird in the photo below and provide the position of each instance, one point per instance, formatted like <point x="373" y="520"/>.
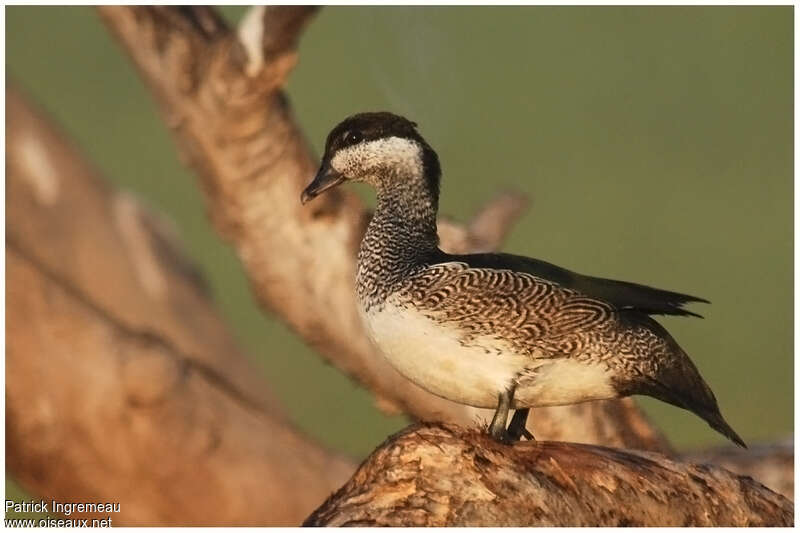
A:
<point x="496" y="330"/>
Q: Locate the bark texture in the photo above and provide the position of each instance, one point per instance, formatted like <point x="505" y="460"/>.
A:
<point x="122" y="383"/>
<point x="771" y="464"/>
<point x="436" y="475"/>
<point x="221" y="93"/>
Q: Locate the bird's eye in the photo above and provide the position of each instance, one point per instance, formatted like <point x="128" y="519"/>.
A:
<point x="353" y="137"/>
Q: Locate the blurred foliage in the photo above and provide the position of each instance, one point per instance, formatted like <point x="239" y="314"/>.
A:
<point x="655" y="142"/>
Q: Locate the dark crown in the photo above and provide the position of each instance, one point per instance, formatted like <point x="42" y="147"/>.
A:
<point x="371" y="126"/>
<point x="379" y="125"/>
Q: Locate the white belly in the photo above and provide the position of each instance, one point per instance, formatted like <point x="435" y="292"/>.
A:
<point x="430" y="355"/>
<point x="564" y="382"/>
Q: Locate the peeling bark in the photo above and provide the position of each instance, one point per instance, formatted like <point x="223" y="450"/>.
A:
<point x="435" y="475"/>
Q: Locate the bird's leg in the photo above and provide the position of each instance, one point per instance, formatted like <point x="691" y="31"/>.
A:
<point x="497" y="429"/>
<point x="516" y="429"/>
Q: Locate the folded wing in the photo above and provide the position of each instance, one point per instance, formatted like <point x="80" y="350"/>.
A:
<point x="621" y="294"/>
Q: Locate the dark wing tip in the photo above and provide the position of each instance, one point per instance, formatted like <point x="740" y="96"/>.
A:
<point x="672" y="303"/>
<point x="687" y="299"/>
<point x="679" y="311"/>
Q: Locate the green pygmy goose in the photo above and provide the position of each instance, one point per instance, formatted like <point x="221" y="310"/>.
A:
<point x="496" y="330"/>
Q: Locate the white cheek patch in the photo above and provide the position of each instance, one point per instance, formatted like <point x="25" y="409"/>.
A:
<point x="403" y="155"/>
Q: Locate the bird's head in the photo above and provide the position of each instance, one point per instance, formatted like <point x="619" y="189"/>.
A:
<point x="381" y="149"/>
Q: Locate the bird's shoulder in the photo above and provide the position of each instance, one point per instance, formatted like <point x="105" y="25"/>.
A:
<point x="458" y="288"/>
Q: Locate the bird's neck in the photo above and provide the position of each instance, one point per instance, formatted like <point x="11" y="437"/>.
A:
<point x="404" y="223"/>
<point x="407" y="212"/>
<point x="400" y="237"/>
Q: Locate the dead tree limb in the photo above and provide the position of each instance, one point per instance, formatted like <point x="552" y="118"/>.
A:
<point x="770" y="464"/>
<point x="221" y="93"/>
<point x="122" y="383"/>
<point x="444" y="476"/>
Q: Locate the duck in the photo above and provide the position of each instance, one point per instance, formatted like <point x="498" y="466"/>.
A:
<point x="496" y="330"/>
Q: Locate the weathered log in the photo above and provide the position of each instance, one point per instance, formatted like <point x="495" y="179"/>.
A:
<point x="122" y="382"/>
<point x="221" y="92"/>
<point x="771" y="464"/>
<point x="436" y="475"/>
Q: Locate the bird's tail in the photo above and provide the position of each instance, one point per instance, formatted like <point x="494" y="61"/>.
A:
<point x="715" y="420"/>
<point x="680" y="383"/>
<point x="696" y="397"/>
<point x="684" y="387"/>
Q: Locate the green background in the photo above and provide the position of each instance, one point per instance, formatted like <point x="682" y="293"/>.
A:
<point x="655" y="143"/>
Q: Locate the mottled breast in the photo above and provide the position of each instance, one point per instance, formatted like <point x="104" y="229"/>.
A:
<point x="437" y="357"/>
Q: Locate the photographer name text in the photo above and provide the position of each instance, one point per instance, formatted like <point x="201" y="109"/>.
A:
<point x="61" y="508"/>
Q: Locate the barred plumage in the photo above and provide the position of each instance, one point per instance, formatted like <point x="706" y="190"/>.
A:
<point x="496" y="330"/>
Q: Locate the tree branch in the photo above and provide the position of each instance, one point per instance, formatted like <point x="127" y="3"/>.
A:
<point x="443" y="476"/>
<point x="221" y="93"/>
<point x="122" y="383"/>
<point x="770" y="464"/>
